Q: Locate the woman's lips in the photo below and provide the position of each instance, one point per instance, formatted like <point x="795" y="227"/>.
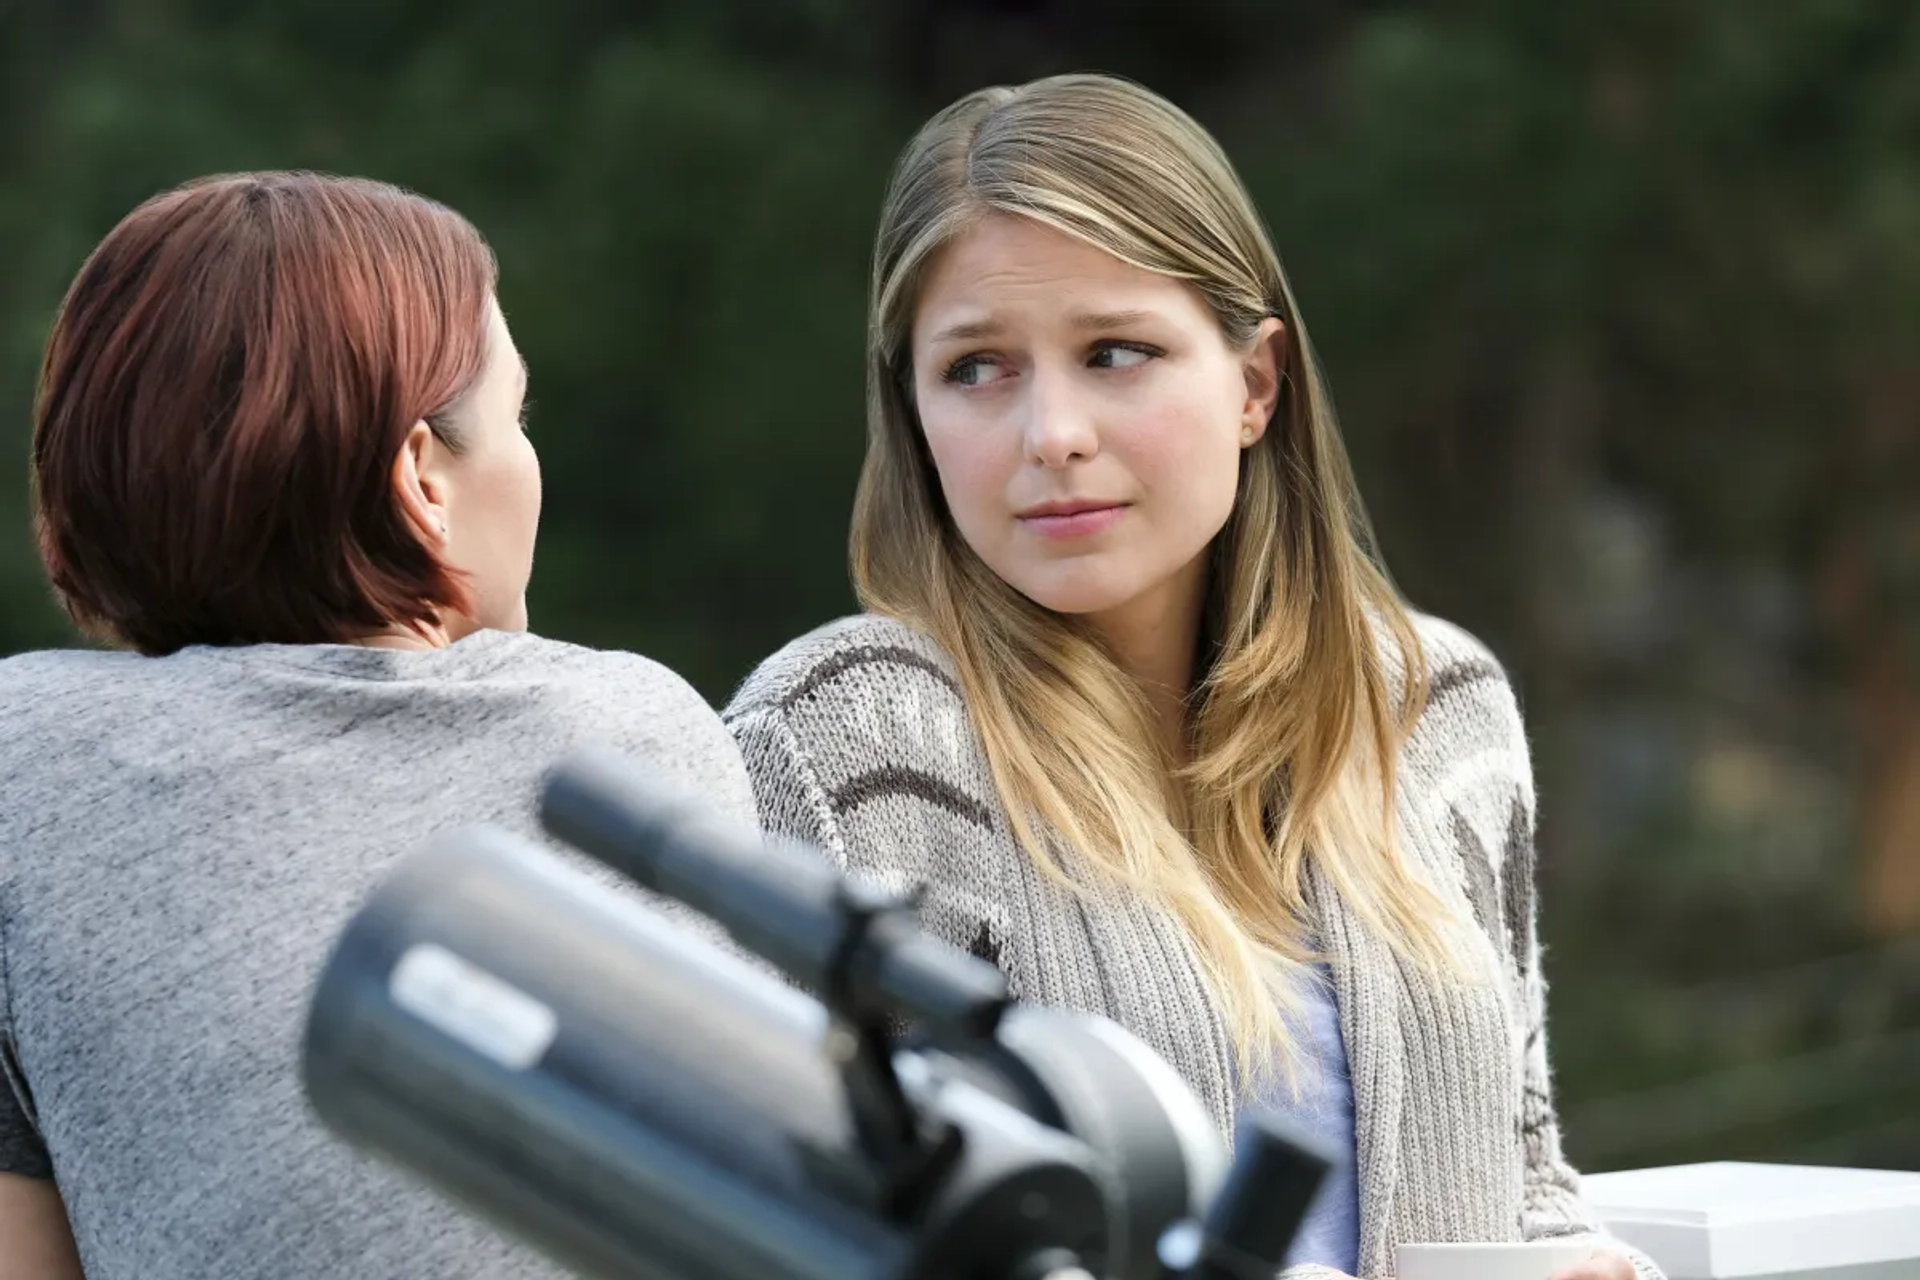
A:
<point x="1079" y="522"/>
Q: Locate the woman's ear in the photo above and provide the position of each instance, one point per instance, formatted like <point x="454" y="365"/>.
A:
<point x="419" y="486"/>
<point x="1265" y="366"/>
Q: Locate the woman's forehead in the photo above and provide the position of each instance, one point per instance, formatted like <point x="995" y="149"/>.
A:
<point x="1006" y="265"/>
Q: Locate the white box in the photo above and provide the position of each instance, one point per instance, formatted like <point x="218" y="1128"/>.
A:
<point x="1719" y="1221"/>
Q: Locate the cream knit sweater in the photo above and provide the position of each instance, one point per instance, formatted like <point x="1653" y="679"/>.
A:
<point x="857" y="740"/>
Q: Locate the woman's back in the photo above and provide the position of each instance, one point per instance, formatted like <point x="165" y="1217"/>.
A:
<point x="183" y="838"/>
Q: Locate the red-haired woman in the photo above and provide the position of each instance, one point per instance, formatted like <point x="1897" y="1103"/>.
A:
<point x="278" y="454"/>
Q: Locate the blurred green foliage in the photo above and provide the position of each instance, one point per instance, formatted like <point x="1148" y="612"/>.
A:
<point x="1620" y="302"/>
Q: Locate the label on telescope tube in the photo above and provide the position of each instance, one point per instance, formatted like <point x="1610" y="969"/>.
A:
<point x="487" y="1015"/>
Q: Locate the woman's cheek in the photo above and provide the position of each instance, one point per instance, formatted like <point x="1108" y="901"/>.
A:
<point x="973" y="470"/>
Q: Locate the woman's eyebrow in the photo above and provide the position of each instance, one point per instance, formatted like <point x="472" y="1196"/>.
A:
<point x="968" y="331"/>
<point x="1108" y="319"/>
<point x="972" y="330"/>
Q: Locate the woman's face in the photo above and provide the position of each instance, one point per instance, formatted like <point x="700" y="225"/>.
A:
<point x="489" y="492"/>
<point x="1086" y="417"/>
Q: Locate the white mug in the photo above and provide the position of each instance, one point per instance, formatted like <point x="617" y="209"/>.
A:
<point x="1533" y="1260"/>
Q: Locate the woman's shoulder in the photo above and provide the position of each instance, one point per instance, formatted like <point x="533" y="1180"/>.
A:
<point x="1463" y="675"/>
<point x="1453" y="653"/>
<point x="1468" y="760"/>
<point x="861" y="658"/>
<point x="857" y="711"/>
<point x="1467" y="750"/>
<point x="536" y="657"/>
<point x="861" y="697"/>
<point x="67" y="687"/>
<point x="58" y="668"/>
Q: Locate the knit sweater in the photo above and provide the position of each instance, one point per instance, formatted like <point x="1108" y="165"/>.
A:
<point x="857" y="740"/>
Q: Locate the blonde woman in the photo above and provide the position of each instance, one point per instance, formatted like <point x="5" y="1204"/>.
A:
<point x="1132" y="703"/>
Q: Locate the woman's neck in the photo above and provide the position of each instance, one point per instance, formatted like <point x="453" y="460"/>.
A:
<point x="1154" y="637"/>
<point x="419" y="636"/>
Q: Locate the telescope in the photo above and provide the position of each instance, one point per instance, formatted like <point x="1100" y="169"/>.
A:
<point x="833" y="1094"/>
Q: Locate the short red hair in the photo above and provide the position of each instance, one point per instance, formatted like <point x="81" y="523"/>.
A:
<point x="225" y="390"/>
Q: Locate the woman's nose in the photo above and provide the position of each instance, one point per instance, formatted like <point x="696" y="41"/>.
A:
<point x="1060" y="425"/>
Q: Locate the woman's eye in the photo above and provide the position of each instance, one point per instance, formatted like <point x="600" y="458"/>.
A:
<point x="973" y="371"/>
<point x="1122" y="355"/>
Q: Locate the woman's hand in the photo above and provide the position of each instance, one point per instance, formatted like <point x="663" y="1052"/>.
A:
<point x="1603" y="1265"/>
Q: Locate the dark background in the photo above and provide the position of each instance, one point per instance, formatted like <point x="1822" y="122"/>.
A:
<point x="1619" y="300"/>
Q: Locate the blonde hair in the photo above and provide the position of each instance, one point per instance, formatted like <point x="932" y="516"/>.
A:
<point x="1294" y="725"/>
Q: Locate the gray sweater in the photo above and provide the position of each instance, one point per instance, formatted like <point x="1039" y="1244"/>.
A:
<point x="181" y="841"/>
<point x="857" y="740"/>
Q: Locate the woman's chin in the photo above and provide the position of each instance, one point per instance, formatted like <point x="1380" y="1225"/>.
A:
<point x="1074" y="599"/>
